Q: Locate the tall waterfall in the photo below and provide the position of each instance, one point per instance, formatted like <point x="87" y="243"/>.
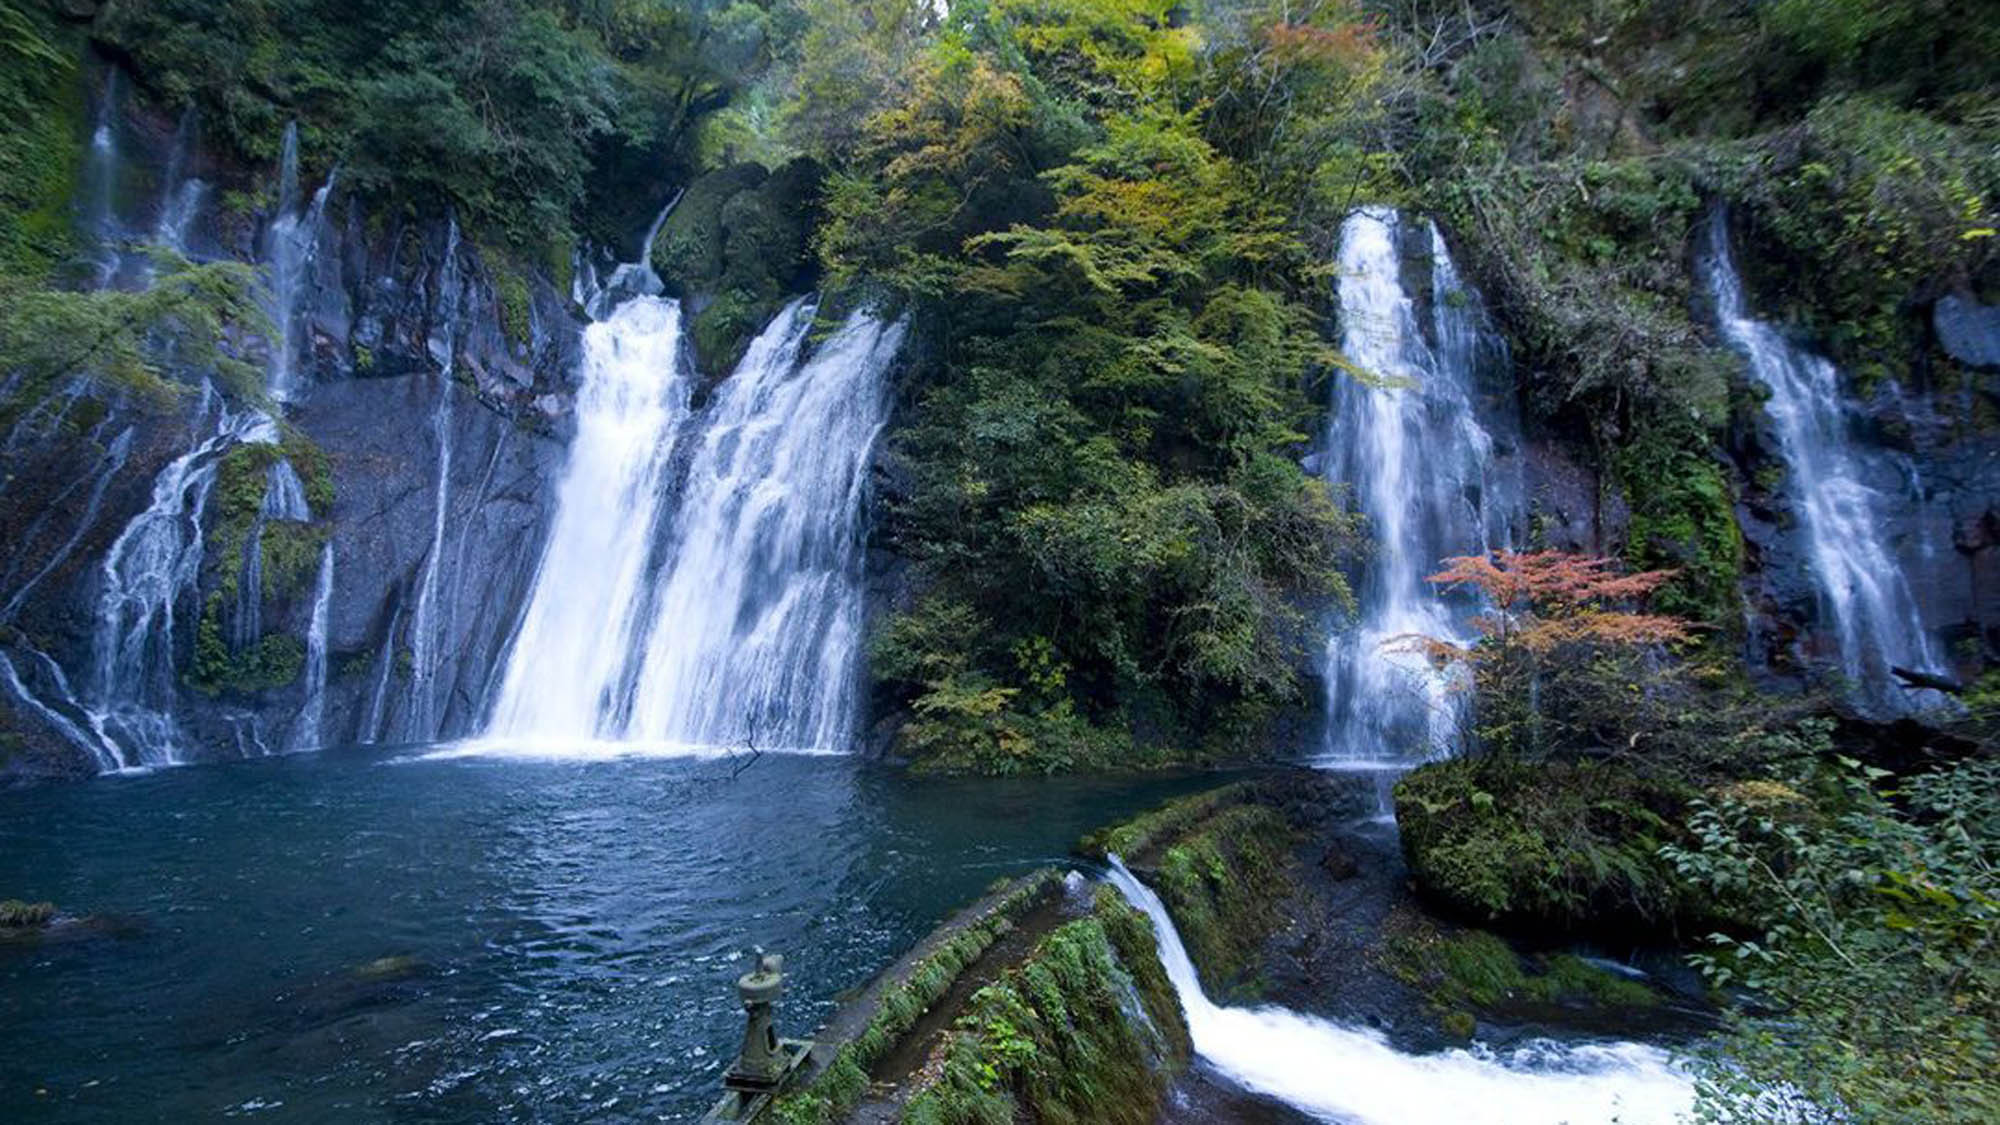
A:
<point x="737" y="614"/>
<point x="1424" y="469"/>
<point x="1863" y="592"/>
<point x="757" y="619"/>
<point x="566" y="675"/>
<point x="1351" y="1074"/>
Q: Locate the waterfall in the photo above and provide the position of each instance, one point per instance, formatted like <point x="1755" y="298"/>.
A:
<point x="427" y="633"/>
<point x="1421" y="465"/>
<point x="757" y="623"/>
<point x="291" y="243"/>
<point x="565" y="675"/>
<point x="180" y="198"/>
<point x="735" y="614"/>
<point x="1352" y="1074"/>
<point x="306" y="729"/>
<point x="149" y="571"/>
<point x="1863" y="593"/>
<point x="101" y="177"/>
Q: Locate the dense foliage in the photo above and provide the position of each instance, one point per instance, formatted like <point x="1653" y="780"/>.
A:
<point x="1099" y="485"/>
<point x="517" y="113"/>
<point x="1873" y="968"/>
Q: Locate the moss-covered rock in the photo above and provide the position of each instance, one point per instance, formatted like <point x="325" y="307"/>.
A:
<point x="902" y="999"/>
<point x="1568" y="847"/>
<point x="1223" y="862"/>
<point x="735" y="248"/>
<point x="18" y="915"/>
<point x="1085" y="1029"/>
<point x="1468" y="973"/>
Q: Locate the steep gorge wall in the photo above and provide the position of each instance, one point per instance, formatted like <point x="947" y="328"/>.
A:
<point x="437" y="375"/>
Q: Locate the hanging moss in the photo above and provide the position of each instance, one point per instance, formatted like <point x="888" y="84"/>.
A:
<point x="1684" y="520"/>
<point x="273" y="661"/>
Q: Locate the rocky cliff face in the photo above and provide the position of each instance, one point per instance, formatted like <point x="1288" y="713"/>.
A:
<point x="343" y="569"/>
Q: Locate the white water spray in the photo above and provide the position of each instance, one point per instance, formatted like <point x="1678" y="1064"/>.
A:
<point x="150" y="570"/>
<point x="1864" y="593"/>
<point x="757" y="625"/>
<point x="1424" y="469"/>
<point x="1352" y="1075"/>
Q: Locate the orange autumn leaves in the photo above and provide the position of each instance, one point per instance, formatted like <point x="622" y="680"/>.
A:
<point x="1540" y="601"/>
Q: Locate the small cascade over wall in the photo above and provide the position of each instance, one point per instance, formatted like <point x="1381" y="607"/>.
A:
<point x="1426" y="457"/>
<point x="1352" y="1074"/>
<point x="1869" y="621"/>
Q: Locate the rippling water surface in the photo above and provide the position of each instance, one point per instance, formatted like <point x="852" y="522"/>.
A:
<point x="399" y="937"/>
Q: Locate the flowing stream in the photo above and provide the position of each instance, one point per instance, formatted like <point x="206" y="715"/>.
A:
<point x="1418" y="454"/>
<point x="1864" y="595"/>
<point x="1352" y="1075"/>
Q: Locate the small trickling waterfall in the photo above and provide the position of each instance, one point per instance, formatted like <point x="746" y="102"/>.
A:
<point x="1351" y="1074"/>
<point x="291" y="242"/>
<point x="150" y="569"/>
<point x="735" y="614"/>
<point x="1423" y="467"/>
<point x="306" y="733"/>
<point x="1864" y="595"/>
<point x="757" y="619"/>
<point x="100" y="177"/>
<point x="181" y="195"/>
<point x="428" y="632"/>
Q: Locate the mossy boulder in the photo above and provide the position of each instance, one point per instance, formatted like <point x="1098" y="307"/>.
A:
<point x="18" y="915"/>
<point x="1468" y="973"/>
<point x="736" y="247"/>
<point x="1558" y="847"/>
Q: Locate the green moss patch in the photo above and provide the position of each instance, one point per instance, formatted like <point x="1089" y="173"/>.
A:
<point x="1473" y="971"/>
<point x="1072" y="1034"/>
<point x="838" y="1088"/>
<point x="1221" y="861"/>
<point x="1572" y="847"/>
<point x="736" y="247"/>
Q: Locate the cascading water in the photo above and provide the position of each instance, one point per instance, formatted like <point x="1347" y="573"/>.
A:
<point x="758" y="612"/>
<point x="150" y="569"/>
<point x="1424" y="470"/>
<point x="291" y="242"/>
<point x="306" y="729"/>
<point x="427" y="630"/>
<point x="740" y="616"/>
<point x="1352" y="1075"/>
<point x="100" y="218"/>
<point x="1863" y="592"/>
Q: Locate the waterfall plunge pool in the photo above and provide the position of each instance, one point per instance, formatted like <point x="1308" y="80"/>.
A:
<point x="435" y="935"/>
